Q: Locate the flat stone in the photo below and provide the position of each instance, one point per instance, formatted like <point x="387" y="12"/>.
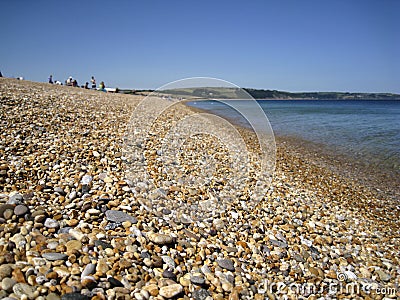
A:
<point x="226" y="264"/>
<point x="160" y="239"/>
<point x="74" y="296"/>
<point x="169" y="261"/>
<point x="51" y="223"/>
<point x="7" y="284"/>
<point x="198" y="280"/>
<point x="119" y="216"/>
<point x="89" y="270"/>
<point x="86" y="179"/>
<point x="73" y="245"/>
<point x="20" y="210"/>
<point x="21" y="289"/>
<point x="383" y="275"/>
<point x="201" y="294"/>
<point x="16" y="199"/>
<point x="169" y="274"/>
<point x="171" y="291"/>
<point x="278" y="243"/>
<point x="191" y="235"/>
<point x="53" y="256"/>
<point x="8" y="213"/>
<point x="72" y="195"/>
<point x="5" y="271"/>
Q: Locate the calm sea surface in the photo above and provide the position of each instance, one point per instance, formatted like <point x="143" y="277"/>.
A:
<point x="363" y="130"/>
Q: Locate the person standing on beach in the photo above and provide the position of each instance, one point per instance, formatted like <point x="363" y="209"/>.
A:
<point x="51" y="79"/>
<point x="93" y="81"/>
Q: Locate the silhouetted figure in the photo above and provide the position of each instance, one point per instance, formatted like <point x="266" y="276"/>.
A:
<point x="51" y="79"/>
<point x="87" y="85"/>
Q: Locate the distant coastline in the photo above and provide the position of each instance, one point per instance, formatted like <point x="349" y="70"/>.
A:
<point x="261" y="94"/>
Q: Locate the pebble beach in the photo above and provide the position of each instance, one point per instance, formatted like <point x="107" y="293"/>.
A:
<point x="73" y="225"/>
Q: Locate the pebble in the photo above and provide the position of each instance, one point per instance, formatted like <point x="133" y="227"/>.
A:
<point x="198" y="280"/>
<point x="226" y="264"/>
<point x="383" y="275"/>
<point x="119" y="217"/>
<point x="86" y="179"/>
<point x="23" y="289"/>
<point x="16" y="199"/>
<point x="73" y="245"/>
<point x="114" y="282"/>
<point x="7" y="284"/>
<point x="5" y="271"/>
<point x="160" y="239"/>
<point x="53" y="256"/>
<point x="169" y="274"/>
<point x="200" y="294"/>
<point x="170" y="291"/>
<point x="20" y="210"/>
<point x="89" y="270"/>
<point x="51" y="223"/>
<point x="74" y="296"/>
<point x="8" y="213"/>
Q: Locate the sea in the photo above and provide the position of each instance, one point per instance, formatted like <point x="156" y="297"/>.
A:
<point x="363" y="131"/>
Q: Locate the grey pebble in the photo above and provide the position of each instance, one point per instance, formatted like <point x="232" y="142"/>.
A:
<point x="119" y="216"/>
<point x="74" y="296"/>
<point x="226" y="264"/>
<point x="89" y="269"/>
<point x="200" y="294"/>
<point x="51" y="223"/>
<point x="20" y="210"/>
<point x="168" y="261"/>
<point x="52" y="256"/>
<point x="198" y="280"/>
<point x="72" y="195"/>
<point x="86" y="179"/>
<point x="15" y="199"/>
<point x="169" y="274"/>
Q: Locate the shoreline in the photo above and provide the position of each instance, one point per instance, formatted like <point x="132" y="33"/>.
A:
<point x="381" y="181"/>
<point x="72" y="223"/>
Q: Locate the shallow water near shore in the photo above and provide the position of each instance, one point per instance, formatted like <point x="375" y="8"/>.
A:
<point x="365" y="132"/>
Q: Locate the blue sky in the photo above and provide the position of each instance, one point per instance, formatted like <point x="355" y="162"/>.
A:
<point x="309" y="45"/>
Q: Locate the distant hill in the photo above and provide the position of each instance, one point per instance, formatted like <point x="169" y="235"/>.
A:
<point x="238" y="93"/>
<point x="272" y="94"/>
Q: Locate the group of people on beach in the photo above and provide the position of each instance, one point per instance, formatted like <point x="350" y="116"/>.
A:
<point x="73" y="82"/>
